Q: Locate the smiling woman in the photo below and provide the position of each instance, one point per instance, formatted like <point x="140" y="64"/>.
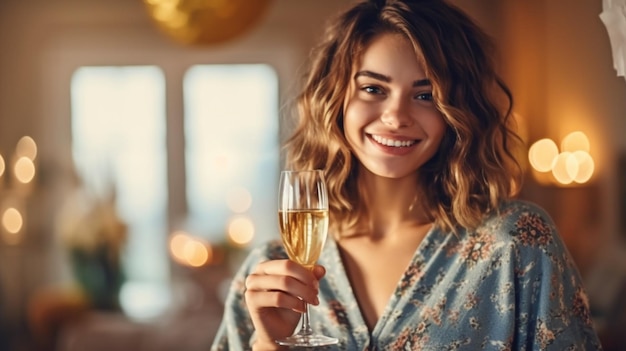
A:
<point x="429" y="249"/>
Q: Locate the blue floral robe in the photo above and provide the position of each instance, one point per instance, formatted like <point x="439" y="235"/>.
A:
<point x="508" y="285"/>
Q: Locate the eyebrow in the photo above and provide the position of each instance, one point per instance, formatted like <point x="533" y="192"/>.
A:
<point x="387" y="79"/>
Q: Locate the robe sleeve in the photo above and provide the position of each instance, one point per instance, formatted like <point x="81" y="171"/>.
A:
<point x="552" y="307"/>
<point x="236" y="331"/>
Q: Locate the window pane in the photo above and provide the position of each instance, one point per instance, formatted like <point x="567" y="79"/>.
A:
<point x="231" y="150"/>
<point x="118" y="126"/>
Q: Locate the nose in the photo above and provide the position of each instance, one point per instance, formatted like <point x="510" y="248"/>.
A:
<point x="397" y="114"/>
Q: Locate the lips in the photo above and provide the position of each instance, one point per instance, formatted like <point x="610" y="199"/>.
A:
<point x="390" y="142"/>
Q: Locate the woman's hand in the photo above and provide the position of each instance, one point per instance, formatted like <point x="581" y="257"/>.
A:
<point x="275" y="294"/>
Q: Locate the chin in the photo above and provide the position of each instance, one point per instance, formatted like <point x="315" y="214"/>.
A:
<point x="392" y="173"/>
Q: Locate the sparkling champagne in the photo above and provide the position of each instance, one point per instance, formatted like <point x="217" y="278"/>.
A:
<point x="303" y="224"/>
<point x="303" y="233"/>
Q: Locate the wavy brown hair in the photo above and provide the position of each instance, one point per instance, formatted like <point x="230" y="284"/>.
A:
<point x="474" y="168"/>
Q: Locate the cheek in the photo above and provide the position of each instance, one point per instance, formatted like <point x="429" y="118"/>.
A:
<point x="358" y="115"/>
<point x="351" y="129"/>
<point x="351" y="123"/>
<point x="436" y="126"/>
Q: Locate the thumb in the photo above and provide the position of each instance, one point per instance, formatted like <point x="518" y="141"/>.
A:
<point x="319" y="272"/>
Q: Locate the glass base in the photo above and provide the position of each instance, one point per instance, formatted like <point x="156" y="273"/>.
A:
<point x="307" y="340"/>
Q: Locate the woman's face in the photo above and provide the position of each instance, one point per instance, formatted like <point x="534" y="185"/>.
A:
<point x="390" y="120"/>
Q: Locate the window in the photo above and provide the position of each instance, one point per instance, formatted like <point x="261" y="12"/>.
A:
<point x="232" y="151"/>
<point x="231" y="158"/>
<point x="118" y="144"/>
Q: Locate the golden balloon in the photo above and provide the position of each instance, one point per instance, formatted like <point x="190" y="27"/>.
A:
<point x="205" y="21"/>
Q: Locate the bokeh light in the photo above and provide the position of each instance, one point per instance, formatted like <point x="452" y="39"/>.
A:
<point x="573" y="164"/>
<point x="196" y="253"/>
<point x="26" y="147"/>
<point x="12" y="220"/>
<point x="542" y="154"/>
<point x="189" y="251"/>
<point x="178" y="240"/>
<point x="2" y="166"/>
<point x="239" y="200"/>
<point x="586" y="166"/>
<point x="575" y="141"/>
<point x="24" y="169"/>
<point x="241" y="231"/>
<point x="561" y="170"/>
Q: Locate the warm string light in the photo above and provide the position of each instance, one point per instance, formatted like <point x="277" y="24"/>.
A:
<point x="572" y="164"/>
<point x="21" y="170"/>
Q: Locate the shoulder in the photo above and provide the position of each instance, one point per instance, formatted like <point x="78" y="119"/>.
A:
<point x="549" y="285"/>
<point x="517" y="233"/>
<point x="526" y="234"/>
<point x="523" y="231"/>
<point x="517" y="212"/>
<point x="521" y="223"/>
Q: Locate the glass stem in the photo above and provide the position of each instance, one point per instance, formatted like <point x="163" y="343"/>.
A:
<point x="306" y="324"/>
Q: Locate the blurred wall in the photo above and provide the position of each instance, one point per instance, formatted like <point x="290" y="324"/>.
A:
<point x="561" y="72"/>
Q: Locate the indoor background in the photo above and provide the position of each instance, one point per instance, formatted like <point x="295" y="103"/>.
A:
<point x="139" y="155"/>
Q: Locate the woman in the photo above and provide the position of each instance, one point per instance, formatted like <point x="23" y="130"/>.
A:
<point x="404" y="112"/>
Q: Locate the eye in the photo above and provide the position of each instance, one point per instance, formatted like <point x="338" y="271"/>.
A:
<point x="372" y="89"/>
<point x="424" y="96"/>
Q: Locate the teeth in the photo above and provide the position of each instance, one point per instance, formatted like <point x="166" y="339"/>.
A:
<point x="393" y="143"/>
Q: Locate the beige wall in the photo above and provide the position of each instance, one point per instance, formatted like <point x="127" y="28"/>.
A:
<point x="561" y="71"/>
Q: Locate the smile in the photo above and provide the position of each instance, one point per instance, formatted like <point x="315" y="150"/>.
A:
<point x="392" y="142"/>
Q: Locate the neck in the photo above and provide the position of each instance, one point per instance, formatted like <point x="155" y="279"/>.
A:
<point x="393" y="205"/>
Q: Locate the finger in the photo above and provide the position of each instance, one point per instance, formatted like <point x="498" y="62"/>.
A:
<point x="259" y="299"/>
<point x="319" y="272"/>
<point x="288" y="268"/>
<point x="282" y="283"/>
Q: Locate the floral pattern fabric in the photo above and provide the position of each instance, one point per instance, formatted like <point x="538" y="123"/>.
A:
<point x="508" y="285"/>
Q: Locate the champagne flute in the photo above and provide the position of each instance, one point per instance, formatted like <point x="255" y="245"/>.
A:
<point x="303" y="222"/>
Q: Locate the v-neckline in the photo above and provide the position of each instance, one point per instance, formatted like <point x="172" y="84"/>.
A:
<point x="393" y="299"/>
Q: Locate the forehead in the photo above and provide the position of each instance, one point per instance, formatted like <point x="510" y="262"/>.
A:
<point x="391" y="54"/>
